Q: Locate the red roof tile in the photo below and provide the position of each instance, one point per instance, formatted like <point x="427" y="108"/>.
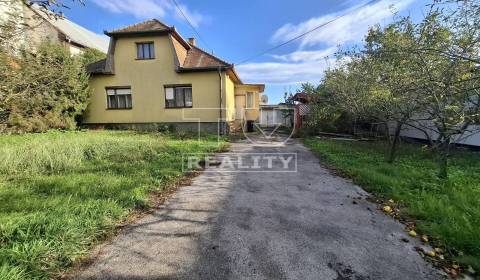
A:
<point x="198" y="58"/>
<point x="152" y="25"/>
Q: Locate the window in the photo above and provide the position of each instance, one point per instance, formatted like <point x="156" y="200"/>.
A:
<point x="119" y="98"/>
<point x="250" y="100"/>
<point x="178" y="97"/>
<point x="145" y="50"/>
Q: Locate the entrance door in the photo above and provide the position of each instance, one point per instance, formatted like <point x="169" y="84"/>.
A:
<point x="239" y="107"/>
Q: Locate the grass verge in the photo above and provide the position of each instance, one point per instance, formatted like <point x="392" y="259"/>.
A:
<point x="448" y="211"/>
<point x="62" y="192"/>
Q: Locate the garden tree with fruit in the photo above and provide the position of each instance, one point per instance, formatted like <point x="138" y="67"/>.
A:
<point x="391" y="67"/>
<point x="423" y="75"/>
<point x="319" y="116"/>
<point x="447" y="49"/>
<point x="352" y="89"/>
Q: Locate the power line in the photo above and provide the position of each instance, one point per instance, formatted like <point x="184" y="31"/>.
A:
<point x="306" y="33"/>
<point x="191" y="25"/>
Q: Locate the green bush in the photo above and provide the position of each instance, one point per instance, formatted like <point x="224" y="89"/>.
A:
<point x="44" y="90"/>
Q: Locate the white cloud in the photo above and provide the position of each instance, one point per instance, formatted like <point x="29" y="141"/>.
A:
<point x="350" y="28"/>
<point x="302" y="56"/>
<point x="309" y="65"/>
<point x="150" y="9"/>
<point x="285" y="73"/>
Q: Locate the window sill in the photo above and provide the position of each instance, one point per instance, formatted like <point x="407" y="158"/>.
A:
<point x="115" y="109"/>
<point x="142" y="59"/>
<point x="179" y="107"/>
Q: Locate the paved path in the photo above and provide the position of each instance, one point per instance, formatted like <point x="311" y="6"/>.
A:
<point x="300" y="225"/>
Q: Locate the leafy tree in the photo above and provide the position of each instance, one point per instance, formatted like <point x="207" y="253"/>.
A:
<point x="423" y="75"/>
<point x="91" y="55"/>
<point x="43" y="90"/>
<point x="449" y="79"/>
<point x="391" y="67"/>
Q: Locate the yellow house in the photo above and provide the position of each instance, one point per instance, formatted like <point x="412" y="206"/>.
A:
<point x="153" y="77"/>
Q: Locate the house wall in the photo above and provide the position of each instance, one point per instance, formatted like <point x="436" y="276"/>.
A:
<point x="38" y="29"/>
<point x="469" y="138"/>
<point x="147" y="79"/>
<point x="251" y="114"/>
<point x="229" y="99"/>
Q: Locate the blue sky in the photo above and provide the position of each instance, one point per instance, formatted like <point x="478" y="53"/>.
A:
<point x="237" y="30"/>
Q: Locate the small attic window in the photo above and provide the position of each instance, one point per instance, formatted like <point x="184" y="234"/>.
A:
<point x="145" y="50"/>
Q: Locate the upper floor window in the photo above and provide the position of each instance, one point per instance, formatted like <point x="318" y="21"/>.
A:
<point x="178" y="97"/>
<point x="145" y="50"/>
<point x="250" y="102"/>
<point x="119" y="98"/>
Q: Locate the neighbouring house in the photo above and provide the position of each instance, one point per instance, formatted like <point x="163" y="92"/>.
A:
<point x="152" y="77"/>
<point x="470" y="138"/>
<point x="300" y="101"/>
<point x="45" y="26"/>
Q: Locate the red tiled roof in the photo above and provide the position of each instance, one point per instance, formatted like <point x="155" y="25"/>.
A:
<point x="198" y="58"/>
<point x="152" y="25"/>
<point x="195" y="59"/>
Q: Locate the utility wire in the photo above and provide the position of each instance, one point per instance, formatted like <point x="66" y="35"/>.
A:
<point x="191" y="25"/>
<point x="306" y="33"/>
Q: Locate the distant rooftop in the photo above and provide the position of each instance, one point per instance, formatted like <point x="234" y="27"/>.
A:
<point x="76" y="33"/>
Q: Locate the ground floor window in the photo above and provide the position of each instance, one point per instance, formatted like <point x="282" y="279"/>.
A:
<point x="119" y="98"/>
<point x="178" y="96"/>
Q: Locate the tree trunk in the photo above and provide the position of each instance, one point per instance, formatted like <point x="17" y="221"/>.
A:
<point x="387" y="133"/>
<point x="443" y="159"/>
<point x="393" y="146"/>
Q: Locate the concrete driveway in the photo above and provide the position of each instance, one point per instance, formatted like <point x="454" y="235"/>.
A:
<point x="264" y="225"/>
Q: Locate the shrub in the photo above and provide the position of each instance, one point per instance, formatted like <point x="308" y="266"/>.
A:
<point x="42" y="90"/>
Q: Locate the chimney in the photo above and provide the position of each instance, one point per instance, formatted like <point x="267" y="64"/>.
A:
<point x="192" y="41"/>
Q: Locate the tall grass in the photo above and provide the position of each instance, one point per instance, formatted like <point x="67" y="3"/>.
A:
<point x="62" y="192"/>
<point x="448" y="211"/>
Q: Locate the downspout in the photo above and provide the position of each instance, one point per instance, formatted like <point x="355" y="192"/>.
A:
<point x="221" y="95"/>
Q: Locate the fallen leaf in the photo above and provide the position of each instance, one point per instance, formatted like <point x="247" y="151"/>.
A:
<point x="424" y="238"/>
<point x="412" y="233"/>
<point x="387" y="209"/>
<point x="455" y="266"/>
<point x="391" y="201"/>
<point x="431" y="253"/>
<point x="438" y="250"/>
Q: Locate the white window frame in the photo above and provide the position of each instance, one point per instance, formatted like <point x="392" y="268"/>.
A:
<point x="119" y="91"/>
<point x="170" y="91"/>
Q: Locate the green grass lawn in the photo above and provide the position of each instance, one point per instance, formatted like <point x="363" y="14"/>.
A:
<point x="448" y="211"/>
<point x="62" y="192"/>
